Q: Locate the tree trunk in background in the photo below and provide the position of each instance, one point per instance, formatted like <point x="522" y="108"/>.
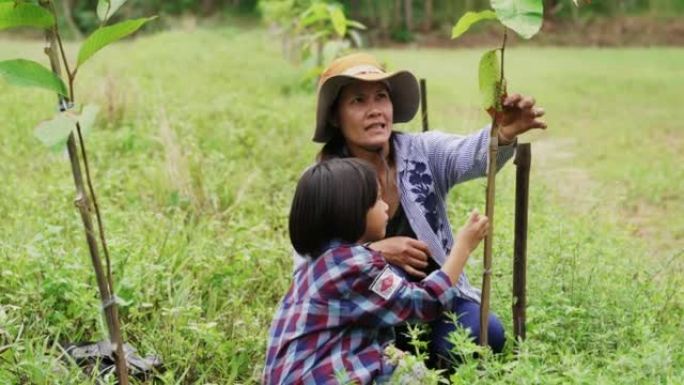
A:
<point x="354" y="10"/>
<point x="448" y="12"/>
<point x="549" y="5"/>
<point x="67" y="6"/>
<point x="208" y="6"/>
<point x="383" y="16"/>
<point x="575" y="15"/>
<point x="427" y="16"/>
<point x="469" y="5"/>
<point x="408" y="13"/>
<point x="396" y="22"/>
<point x="660" y="7"/>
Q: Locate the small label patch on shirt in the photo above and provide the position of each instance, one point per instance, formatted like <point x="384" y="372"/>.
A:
<point x="386" y="284"/>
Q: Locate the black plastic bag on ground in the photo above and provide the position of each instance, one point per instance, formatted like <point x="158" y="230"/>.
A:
<point x="97" y="358"/>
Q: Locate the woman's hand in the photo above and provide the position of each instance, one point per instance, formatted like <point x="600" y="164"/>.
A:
<point x="408" y="253"/>
<point x="519" y="116"/>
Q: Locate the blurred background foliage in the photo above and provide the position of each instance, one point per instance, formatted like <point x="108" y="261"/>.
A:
<point x="387" y="20"/>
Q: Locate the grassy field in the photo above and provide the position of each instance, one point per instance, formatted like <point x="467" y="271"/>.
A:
<point x="200" y="140"/>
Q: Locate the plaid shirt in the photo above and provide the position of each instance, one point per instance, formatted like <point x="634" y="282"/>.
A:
<point x="336" y="320"/>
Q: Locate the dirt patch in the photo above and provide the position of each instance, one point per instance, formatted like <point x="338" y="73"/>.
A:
<point x="554" y="162"/>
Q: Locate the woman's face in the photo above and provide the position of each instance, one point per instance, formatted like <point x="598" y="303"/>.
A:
<point x="364" y="114"/>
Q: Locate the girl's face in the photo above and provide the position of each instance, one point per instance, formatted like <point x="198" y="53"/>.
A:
<point x="376" y="221"/>
<point x="364" y="114"/>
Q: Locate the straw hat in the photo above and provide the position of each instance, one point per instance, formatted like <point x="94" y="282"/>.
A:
<point x="403" y="89"/>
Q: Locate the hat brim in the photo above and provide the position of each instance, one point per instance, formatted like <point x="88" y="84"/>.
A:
<point x="403" y="89"/>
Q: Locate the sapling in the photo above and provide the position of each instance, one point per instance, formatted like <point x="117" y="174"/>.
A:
<point x="525" y="17"/>
<point x="68" y="126"/>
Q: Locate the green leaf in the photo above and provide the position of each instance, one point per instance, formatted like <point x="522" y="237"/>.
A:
<point x="27" y="73"/>
<point x="24" y="15"/>
<point x="106" y="8"/>
<point x="469" y="19"/>
<point x="489" y="79"/>
<point x="355" y="24"/>
<point x="525" y="17"/>
<point x="315" y="13"/>
<point x="339" y="21"/>
<point x="56" y="130"/>
<point x="87" y="117"/>
<point x="355" y="38"/>
<point x="106" y="35"/>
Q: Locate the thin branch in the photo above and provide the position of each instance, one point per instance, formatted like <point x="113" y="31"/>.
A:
<point x="503" y="52"/>
<point x="70" y="76"/>
<point x="100" y="225"/>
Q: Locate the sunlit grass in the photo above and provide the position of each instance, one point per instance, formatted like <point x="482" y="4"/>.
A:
<point x="196" y="170"/>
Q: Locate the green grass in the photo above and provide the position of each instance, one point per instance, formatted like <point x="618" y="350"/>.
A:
<point x="196" y="209"/>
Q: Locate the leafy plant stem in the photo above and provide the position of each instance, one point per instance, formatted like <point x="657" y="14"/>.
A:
<point x="105" y="284"/>
<point x="70" y="75"/>
<point x="489" y="211"/>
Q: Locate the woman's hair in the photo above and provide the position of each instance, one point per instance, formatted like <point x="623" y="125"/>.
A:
<point x="336" y="147"/>
<point x="330" y="203"/>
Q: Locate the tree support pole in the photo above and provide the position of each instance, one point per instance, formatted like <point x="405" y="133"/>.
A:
<point x="522" y="187"/>
<point x="423" y="104"/>
<point x="489" y="210"/>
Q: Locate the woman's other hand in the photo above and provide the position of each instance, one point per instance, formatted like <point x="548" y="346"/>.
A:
<point x="520" y="115"/>
<point x="408" y="253"/>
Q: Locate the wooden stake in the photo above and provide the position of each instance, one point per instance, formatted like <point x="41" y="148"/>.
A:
<point x="522" y="187"/>
<point x="423" y="104"/>
<point x="489" y="212"/>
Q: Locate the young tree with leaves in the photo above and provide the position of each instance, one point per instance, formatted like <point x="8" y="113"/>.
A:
<point x="525" y="17"/>
<point x="69" y="125"/>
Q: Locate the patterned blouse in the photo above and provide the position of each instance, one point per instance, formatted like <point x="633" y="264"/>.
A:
<point x="428" y="165"/>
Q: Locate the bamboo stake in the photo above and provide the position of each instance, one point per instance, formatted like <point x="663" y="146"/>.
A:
<point x="522" y="187"/>
<point x="489" y="211"/>
<point x="423" y="104"/>
<point x="83" y="204"/>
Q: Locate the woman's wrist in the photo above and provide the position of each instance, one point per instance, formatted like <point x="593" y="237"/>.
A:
<point x="504" y="140"/>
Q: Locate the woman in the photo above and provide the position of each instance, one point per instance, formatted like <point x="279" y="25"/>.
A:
<point x="358" y="103"/>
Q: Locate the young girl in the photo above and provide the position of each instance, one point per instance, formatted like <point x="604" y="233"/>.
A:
<point x="337" y="318"/>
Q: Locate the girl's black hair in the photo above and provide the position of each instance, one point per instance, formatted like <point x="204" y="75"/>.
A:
<point x="330" y="203"/>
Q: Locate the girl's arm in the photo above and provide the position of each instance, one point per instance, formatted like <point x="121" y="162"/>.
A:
<point x="379" y="296"/>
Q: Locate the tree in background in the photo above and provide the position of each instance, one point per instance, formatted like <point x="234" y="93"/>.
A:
<point x="313" y="32"/>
